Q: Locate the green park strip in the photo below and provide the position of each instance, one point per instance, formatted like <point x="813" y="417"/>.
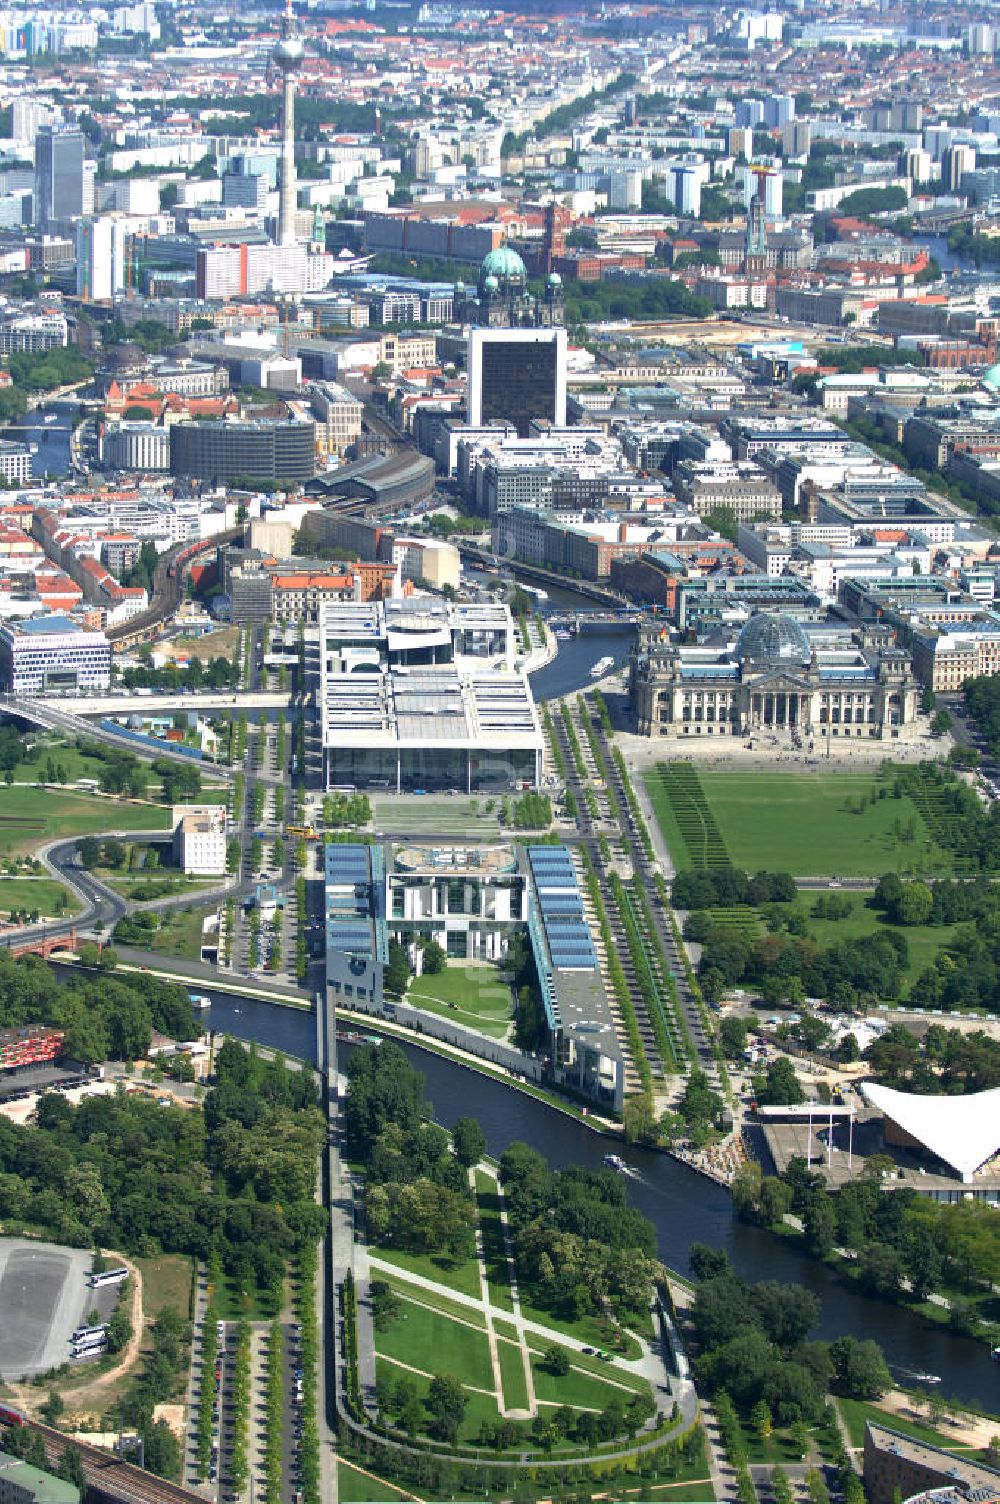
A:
<point x="515" y="1387"/>
<point x="356" y="1486"/>
<point x="469" y="995"/>
<point x="591" y="1367"/>
<point x="43" y="894"/>
<point x="808" y="824"/>
<point x="433" y="1343"/>
<point x="462" y="1276"/>
<point x="494" y="1248"/>
<point x="30" y="817"/>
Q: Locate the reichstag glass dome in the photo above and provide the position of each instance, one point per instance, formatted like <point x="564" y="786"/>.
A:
<point x="770" y="638"/>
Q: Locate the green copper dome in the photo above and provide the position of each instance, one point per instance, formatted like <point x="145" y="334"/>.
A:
<point x="992" y="378"/>
<point x="504" y="264"/>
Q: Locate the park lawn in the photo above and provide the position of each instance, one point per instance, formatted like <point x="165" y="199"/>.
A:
<point x="588" y="1329"/>
<point x="436" y="1344"/>
<point x="357" y="1487"/>
<point x="416" y="1295"/>
<point x="494" y="1251"/>
<point x="579" y="1389"/>
<point x="166" y="1282"/>
<point x="462" y="1276"/>
<point x="180" y="933"/>
<point x="804" y="823"/>
<point x="73" y="763"/>
<point x="41" y="893"/>
<point x="857" y="1413"/>
<point x="700" y="1491"/>
<point x="469" y="995"/>
<point x="515" y="1387"/>
<point x="923" y="940"/>
<point x="30" y="817"/>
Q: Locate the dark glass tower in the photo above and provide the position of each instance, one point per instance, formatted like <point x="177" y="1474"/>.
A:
<point x="58" y="175"/>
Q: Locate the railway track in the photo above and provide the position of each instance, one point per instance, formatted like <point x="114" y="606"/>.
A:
<point x="110" y="1476"/>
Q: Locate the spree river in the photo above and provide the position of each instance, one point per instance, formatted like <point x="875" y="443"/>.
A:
<point x="683" y="1206"/>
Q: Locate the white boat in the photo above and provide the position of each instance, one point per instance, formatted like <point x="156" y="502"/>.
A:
<point x="562" y="635"/>
<point x="614" y="1162"/>
<point x="198" y="1000"/>
<point x="601" y="667"/>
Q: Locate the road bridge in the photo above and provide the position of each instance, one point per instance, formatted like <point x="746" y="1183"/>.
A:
<point x="596" y="621"/>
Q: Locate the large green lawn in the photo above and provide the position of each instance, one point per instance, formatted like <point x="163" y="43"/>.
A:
<point x="470" y="995"/>
<point x="30" y="817"/>
<point x="923" y="940"/>
<point x="434" y="1343"/>
<point x="806" y="824"/>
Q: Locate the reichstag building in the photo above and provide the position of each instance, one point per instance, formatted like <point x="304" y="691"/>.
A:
<point x="812" y="681"/>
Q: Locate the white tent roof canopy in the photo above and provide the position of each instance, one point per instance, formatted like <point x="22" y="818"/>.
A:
<point x="964" y="1132"/>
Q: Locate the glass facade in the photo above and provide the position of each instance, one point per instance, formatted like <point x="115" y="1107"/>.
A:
<point x="497" y="771"/>
<point x="519" y="383"/>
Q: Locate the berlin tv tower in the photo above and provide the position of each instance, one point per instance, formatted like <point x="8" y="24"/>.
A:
<point x="288" y="55"/>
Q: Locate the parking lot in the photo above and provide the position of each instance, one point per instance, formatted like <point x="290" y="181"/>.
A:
<point x="43" y="1296"/>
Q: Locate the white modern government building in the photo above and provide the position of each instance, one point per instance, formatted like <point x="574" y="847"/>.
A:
<point x="423" y="695"/>
<point x="48" y="653"/>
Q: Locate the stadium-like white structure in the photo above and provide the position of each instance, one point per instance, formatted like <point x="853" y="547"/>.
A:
<point x="962" y="1132"/>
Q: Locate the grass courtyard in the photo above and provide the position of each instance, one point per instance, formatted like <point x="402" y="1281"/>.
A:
<point x="469" y="995"/>
<point x="29" y="817"/>
<point x="808" y="824"/>
<point x="450" y="816"/>
<point x="180" y="933"/>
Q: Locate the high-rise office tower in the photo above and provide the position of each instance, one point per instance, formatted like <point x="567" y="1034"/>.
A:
<point x="288" y="58"/>
<point x="517" y="375"/>
<point x="59" y="176"/>
<point x="101" y="255"/>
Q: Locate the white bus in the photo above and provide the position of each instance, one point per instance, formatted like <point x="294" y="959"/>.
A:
<point x="107" y="1277"/>
<point x="82" y="1333"/>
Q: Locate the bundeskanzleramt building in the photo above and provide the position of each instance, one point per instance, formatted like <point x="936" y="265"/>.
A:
<point x="772" y="678"/>
<point x="420" y="695"/>
<point x="49" y="653"/>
